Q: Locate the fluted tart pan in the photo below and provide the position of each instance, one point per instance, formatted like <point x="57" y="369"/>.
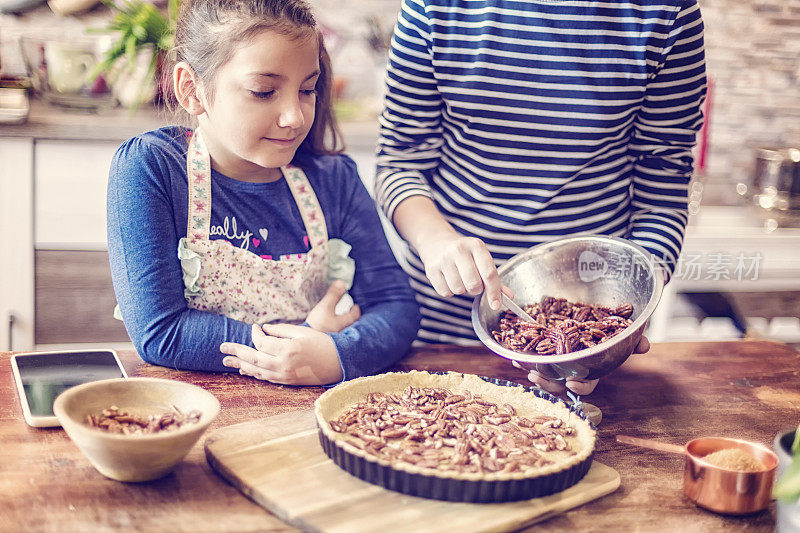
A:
<point x="451" y="485"/>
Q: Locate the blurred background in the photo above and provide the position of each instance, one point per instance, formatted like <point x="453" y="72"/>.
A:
<point x="63" y="112"/>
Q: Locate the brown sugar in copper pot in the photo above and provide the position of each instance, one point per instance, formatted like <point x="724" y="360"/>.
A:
<point x="724" y="491"/>
<point x="728" y="491"/>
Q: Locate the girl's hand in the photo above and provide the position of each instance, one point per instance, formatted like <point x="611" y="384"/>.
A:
<point x="456" y="264"/>
<point x="577" y="386"/>
<point x="286" y="354"/>
<point x="324" y="318"/>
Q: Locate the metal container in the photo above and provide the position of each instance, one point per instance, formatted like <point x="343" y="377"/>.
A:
<point x="775" y="183"/>
<point x="716" y="488"/>
<point x="728" y="491"/>
<point x="606" y="271"/>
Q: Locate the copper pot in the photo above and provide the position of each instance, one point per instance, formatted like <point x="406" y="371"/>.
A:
<point x="715" y="488"/>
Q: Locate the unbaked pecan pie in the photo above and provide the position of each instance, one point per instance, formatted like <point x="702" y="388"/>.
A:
<point x="452" y="427"/>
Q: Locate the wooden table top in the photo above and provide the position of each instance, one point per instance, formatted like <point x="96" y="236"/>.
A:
<point x="679" y="391"/>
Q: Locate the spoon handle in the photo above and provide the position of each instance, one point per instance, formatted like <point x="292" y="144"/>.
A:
<point x="652" y="444"/>
<point x="520" y="312"/>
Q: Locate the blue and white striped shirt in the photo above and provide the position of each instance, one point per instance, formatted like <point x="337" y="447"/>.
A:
<point x="525" y="121"/>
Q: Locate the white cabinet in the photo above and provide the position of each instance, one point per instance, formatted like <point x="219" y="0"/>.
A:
<point x="70" y="192"/>
<point x="56" y="285"/>
<point x="16" y="250"/>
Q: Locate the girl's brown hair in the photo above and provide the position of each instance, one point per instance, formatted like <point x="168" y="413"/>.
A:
<point x="207" y="33"/>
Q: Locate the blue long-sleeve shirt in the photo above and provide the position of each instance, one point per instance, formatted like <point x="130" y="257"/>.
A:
<point x="147" y="215"/>
<point x="526" y="121"/>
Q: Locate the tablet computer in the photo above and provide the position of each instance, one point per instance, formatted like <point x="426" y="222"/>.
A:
<point x="41" y="376"/>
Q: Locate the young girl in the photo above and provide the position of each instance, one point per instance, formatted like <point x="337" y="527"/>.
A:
<point x="223" y="239"/>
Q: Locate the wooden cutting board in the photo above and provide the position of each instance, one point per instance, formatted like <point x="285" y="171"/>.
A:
<point x="278" y="463"/>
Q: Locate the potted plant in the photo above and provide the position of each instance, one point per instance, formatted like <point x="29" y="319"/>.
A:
<point x="142" y="35"/>
<point x="787" y="489"/>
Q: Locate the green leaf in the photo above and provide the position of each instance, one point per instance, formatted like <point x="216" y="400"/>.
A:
<point x="796" y="443"/>
<point x="140" y="32"/>
<point x="788" y="486"/>
<point x="136" y="24"/>
<point x="131" y="49"/>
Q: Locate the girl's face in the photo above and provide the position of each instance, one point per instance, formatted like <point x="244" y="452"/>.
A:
<point x="263" y="106"/>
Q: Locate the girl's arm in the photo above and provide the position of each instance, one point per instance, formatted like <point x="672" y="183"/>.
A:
<point x="663" y="139"/>
<point x="389" y="312"/>
<point x="142" y="248"/>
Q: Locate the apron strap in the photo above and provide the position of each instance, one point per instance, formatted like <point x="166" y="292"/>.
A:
<point x="198" y="172"/>
<point x="307" y="203"/>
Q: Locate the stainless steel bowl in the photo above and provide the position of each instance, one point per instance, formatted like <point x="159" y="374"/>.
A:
<point x="606" y="271"/>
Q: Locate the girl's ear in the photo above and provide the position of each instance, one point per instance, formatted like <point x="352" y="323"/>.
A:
<point x="187" y="90"/>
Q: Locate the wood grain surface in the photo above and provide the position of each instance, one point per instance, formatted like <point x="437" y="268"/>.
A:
<point x="678" y="391"/>
<point x="278" y="463"/>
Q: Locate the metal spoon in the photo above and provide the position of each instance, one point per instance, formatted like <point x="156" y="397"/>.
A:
<point x="514" y="308"/>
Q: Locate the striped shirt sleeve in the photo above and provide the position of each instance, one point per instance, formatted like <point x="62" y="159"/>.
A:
<point x="663" y="138"/>
<point x="410" y="124"/>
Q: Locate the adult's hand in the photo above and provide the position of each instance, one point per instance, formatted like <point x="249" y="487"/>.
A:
<point x="286" y="354"/>
<point x="323" y="316"/>
<point x="455" y="264"/>
<point x="578" y="386"/>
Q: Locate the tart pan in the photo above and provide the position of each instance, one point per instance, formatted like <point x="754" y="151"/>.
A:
<point x="461" y="490"/>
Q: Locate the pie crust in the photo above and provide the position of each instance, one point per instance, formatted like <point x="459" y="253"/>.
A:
<point x="564" y="469"/>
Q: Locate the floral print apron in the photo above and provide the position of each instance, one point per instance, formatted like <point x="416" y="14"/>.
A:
<point x="225" y="279"/>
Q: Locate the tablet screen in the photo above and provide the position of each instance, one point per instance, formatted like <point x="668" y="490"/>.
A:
<point x="45" y="376"/>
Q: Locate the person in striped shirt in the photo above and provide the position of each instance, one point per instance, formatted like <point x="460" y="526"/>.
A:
<point x="511" y="123"/>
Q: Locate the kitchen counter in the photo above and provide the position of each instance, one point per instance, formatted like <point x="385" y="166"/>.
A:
<point x="117" y="124"/>
<point x="678" y="391"/>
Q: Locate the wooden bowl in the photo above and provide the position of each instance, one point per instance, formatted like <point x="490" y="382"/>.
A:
<point x="140" y="457"/>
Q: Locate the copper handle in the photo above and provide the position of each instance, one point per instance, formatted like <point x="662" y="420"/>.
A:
<point x="652" y="444"/>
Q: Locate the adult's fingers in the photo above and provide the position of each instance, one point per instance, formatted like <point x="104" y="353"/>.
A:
<point x="553" y="387"/>
<point x="453" y="278"/>
<point x="643" y="346"/>
<point x="522" y="366"/>
<point x="469" y="274"/>
<point x="580" y="387"/>
<point x="577" y="386"/>
<point x="488" y="272"/>
<point x="438" y="282"/>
